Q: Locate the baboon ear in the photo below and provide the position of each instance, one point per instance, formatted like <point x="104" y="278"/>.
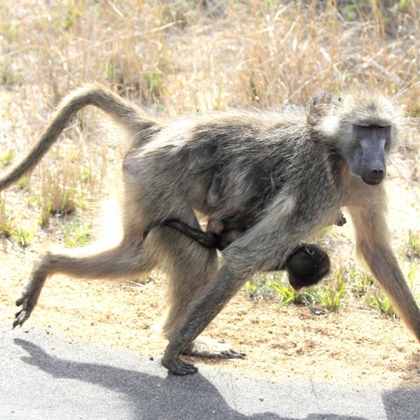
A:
<point x="318" y="106"/>
<point x="309" y="251"/>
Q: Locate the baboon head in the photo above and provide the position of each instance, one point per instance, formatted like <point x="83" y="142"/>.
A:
<point x="362" y="124"/>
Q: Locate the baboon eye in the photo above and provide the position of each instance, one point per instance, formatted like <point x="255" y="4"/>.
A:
<point x="371" y="127"/>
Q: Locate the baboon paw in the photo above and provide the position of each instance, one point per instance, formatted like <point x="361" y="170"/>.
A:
<point x="232" y="354"/>
<point x="179" y="367"/>
<point x="206" y="347"/>
<point x="27" y="308"/>
<point x="20" y="318"/>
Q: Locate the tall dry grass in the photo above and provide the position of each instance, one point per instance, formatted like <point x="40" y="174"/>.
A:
<point x="183" y="55"/>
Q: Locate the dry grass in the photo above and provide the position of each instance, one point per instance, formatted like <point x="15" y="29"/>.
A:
<point x="179" y="56"/>
<point x="175" y="57"/>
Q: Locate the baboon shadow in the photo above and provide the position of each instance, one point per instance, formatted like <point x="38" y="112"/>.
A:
<point x="404" y="403"/>
<point x="151" y="396"/>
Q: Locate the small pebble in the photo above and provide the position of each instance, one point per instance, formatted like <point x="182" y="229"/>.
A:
<point x="316" y="311"/>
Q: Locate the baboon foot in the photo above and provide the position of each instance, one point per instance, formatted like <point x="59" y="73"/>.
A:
<point x="178" y="367"/>
<point x="28" y="302"/>
<point x="174" y="364"/>
<point x="206" y="347"/>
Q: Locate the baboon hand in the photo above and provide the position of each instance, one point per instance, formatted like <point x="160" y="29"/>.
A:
<point x="28" y="302"/>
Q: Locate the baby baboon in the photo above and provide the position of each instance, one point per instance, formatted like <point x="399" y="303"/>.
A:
<point x="306" y="266"/>
<point x="288" y="171"/>
<point x="219" y="234"/>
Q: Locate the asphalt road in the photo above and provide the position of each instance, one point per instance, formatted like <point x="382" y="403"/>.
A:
<point x="53" y="377"/>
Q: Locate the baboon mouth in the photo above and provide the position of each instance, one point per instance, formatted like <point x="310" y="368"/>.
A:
<point x="372" y="181"/>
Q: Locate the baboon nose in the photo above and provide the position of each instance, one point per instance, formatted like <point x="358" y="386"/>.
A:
<point x="377" y="172"/>
<point x="374" y="176"/>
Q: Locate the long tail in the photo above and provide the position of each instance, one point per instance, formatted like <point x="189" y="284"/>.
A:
<point x="123" y="112"/>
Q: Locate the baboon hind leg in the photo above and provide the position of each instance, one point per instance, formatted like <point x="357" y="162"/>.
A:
<point x="129" y="258"/>
<point x="191" y="267"/>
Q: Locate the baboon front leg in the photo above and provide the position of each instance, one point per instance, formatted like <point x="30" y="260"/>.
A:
<point x="190" y="267"/>
<point x="201" y="312"/>
<point x="372" y="241"/>
<point x="126" y="259"/>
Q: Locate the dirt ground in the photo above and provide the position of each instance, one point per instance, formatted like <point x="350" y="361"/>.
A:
<point x="350" y="346"/>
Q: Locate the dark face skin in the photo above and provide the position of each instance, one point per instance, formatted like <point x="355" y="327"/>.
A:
<point x="368" y="159"/>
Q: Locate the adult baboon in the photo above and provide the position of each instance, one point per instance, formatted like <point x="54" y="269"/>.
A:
<point x="306" y="266"/>
<point x="288" y="171"/>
